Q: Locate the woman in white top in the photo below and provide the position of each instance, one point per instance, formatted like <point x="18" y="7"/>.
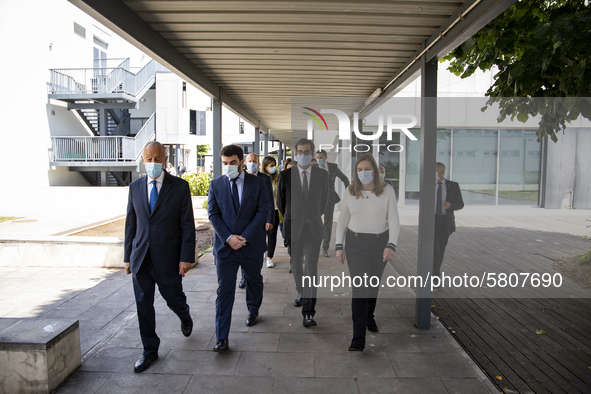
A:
<point x="270" y="168"/>
<point x="368" y="226"/>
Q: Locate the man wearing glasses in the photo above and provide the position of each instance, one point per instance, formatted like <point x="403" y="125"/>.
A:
<point x="302" y="197"/>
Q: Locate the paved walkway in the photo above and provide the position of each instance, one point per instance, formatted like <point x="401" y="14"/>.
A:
<point x="278" y="354"/>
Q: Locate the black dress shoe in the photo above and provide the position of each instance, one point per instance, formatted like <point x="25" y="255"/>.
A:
<point x="253" y="319"/>
<point x="242" y="283"/>
<point x="143" y="363"/>
<point x="309" y="321"/>
<point x="221" y="345"/>
<point x="373" y="328"/>
<point x="326" y="253"/>
<point x="298" y="301"/>
<point x="356" y="348"/>
<point x="187" y="327"/>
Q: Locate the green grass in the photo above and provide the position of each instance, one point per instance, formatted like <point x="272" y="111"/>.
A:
<point x="521" y="195"/>
<point x="201" y="253"/>
<point x="7" y="218"/>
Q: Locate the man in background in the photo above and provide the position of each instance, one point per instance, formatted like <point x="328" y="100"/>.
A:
<point x="181" y="169"/>
<point x="333" y="197"/>
<point x="447" y="200"/>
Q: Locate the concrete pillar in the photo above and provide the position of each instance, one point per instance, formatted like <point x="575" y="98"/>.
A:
<point x="257" y="141"/>
<point x="103" y="123"/>
<point x="217" y="137"/>
<point x="103" y="178"/>
<point x="427" y="190"/>
<point x="266" y="145"/>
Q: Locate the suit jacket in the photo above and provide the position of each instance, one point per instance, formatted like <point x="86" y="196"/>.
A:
<point x="169" y="231"/>
<point x="296" y="210"/>
<point x="249" y="221"/>
<point x="269" y="185"/>
<point x="333" y="173"/>
<point x="454" y="197"/>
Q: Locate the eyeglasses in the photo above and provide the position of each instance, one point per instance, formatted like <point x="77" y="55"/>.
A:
<point x="303" y="152"/>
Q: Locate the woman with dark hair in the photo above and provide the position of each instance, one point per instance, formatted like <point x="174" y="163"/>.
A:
<point x="369" y="226"/>
<point x="269" y="167"/>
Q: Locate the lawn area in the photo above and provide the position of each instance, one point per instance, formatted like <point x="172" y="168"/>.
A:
<point x="7" y="218"/>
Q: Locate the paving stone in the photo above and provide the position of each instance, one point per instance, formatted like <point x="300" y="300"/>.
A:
<point x="120" y="360"/>
<point x="353" y="364"/>
<point x="250" y="341"/>
<point x="391" y="343"/>
<point x="276" y="364"/>
<point x="403" y="385"/>
<point x="431" y="365"/>
<point x="142" y="383"/>
<point x="315" y="385"/>
<point x="197" y="362"/>
<point x="83" y="382"/>
<point x="434" y="343"/>
<point x="230" y="384"/>
<point x="464" y="386"/>
<point x="291" y="342"/>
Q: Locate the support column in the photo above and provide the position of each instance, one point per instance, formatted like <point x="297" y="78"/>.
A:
<point x="257" y="141"/>
<point x="266" y="145"/>
<point x="216" y="107"/>
<point x="103" y="123"/>
<point x="280" y="153"/>
<point x="427" y="189"/>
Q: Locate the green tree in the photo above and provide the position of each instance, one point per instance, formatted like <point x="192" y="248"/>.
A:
<point x="541" y="50"/>
<point x="202" y="150"/>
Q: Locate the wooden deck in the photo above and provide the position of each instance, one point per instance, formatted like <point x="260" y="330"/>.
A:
<point x="497" y="327"/>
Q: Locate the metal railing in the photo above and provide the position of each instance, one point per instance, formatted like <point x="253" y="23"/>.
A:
<point x="103" y="80"/>
<point x="103" y="149"/>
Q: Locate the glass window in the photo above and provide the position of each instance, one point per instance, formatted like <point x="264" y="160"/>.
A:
<point x="519" y="167"/>
<point x="475" y="164"/>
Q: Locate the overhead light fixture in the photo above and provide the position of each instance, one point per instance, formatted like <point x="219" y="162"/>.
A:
<point x="376" y="93"/>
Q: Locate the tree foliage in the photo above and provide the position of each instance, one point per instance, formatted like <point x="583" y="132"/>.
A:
<point x="202" y="150"/>
<point x="542" y="52"/>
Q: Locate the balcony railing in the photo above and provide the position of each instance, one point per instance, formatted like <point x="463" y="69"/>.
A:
<point x="109" y="149"/>
<point x="102" y="80"/>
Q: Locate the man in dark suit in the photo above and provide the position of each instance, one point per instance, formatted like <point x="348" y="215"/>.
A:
<point x="448" y="199"/>
<point x="302" y="196"/>
<point x="333" y="197"/>
<point x="159" y="246"/>
<point x="181" y="169"/>
<point x="238" y="207"/>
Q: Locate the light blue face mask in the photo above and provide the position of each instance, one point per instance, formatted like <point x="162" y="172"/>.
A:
<point x="252" y="167"/>
<point x="320" y="162"/>
<point x="230" y="171"/>
<point x="154" y="169"/>
<point x="272" y="170"/>
<point x="365" y="177"/>
<point x="304" y="160"/>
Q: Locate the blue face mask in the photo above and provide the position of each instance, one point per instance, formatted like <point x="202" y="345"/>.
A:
<point x="272" y="170"/>
<point x="252" y="167"/>
<point x="230" y="171"/>
<point x="365" y="177"/>
<point x="304" y="160"/>
<point x="320" y="162"/>
<point x="154" y="169"/>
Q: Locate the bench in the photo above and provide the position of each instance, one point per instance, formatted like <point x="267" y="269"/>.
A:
<point x="36" y="355"/>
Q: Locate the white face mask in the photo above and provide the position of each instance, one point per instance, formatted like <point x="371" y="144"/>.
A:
<point x="230" y="171"/>
<point x="382" y="176"/>
<point x="252" y="167"/>
<point x="436" y="176"/>
<point x="365" y="177"/>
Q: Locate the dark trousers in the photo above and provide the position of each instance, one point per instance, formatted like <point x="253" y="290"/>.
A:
<point x="226" y="269"/>
<point x="304" y="262"/>
<point x="365" y="256"/>
<point x="328" y="216"/>
<point x="272" y="236"/>
<point x="171" y="289"/>
<point x="441" y="238"/>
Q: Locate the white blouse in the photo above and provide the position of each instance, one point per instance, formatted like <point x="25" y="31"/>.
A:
<point x="371" y="214"/>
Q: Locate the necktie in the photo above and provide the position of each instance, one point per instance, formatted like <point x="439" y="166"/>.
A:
<point x="153" y="196"/>
<point x="305" y="185"/>
<point x="235" y="198"/>
<point x="438" y="209"/>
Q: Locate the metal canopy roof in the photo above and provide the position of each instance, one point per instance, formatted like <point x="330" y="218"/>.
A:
<point x="257" y="55"/>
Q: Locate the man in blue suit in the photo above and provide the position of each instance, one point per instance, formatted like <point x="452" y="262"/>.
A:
<point x="159" y="246"/>
<point x="238" y="207"/>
